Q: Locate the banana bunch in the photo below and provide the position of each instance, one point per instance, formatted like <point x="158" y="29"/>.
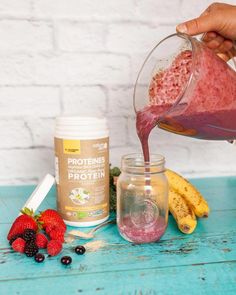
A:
<point x="185" y="202"/>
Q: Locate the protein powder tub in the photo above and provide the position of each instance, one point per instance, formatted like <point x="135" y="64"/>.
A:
<point x="82" y="170"/>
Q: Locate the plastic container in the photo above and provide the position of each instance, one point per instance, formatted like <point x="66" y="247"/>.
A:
<point x="142" y="199"/>
<point x="185" y="88"/>
<point x="82" y="170"/>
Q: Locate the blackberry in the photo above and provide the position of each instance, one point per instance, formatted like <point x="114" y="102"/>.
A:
<point x="66" y="260"/>
<point x="80" y="250"/>
<point x="29" y="235"/>
<point x="31" y="249"/>
<point x="39" y="257"/>
<point x="14" y="238"/>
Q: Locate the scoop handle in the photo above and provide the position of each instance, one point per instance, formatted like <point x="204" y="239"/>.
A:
<point x="40" y="192"/>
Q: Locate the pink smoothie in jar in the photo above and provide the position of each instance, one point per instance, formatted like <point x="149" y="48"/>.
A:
<point x="195" y="96"/>
<point x="145" y="234"/>
<point x="142" y="209"/>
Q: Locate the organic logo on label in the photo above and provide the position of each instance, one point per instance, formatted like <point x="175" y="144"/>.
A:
<point x="79" y="196"/>
<point x="82" y="215"/>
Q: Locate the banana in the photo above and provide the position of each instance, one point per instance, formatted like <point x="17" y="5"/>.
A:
<point x="189" y="192"/>
<point x="182" y="212"/>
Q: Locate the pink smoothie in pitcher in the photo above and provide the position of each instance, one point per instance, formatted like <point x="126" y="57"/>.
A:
<point x="194" y="97"/>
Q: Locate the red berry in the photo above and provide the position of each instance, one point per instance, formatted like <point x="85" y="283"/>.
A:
<point x="51" y="217"/>
<point x="57" y="234"/>
<point x="20" y="224"/>
<point x="41" y="241"/>
<point x="19" y="245"/>
<point x="49" y="228"/>
<point x="14" y="238"/>
<point x="54" y="247"/>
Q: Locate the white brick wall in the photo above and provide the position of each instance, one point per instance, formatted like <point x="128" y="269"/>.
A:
<point x="81" y="36"/>
<point x="15" y="7"/>
<point x="81" y="68"/>
<point x="74" y="57"/>
<point x="84" y="100"/>
<point x="24" y="35"/>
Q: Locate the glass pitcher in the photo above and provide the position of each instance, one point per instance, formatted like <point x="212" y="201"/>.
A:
<point x="142" y="199"/>
<point x="185" y="88"/>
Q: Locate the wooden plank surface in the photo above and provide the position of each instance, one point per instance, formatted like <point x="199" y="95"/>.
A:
<point x="201" y="263"/>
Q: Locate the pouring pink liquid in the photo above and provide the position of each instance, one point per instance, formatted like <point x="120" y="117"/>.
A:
<point x="195" y="96"/>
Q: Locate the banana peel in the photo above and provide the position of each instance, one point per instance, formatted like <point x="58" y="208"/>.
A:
<point x="192" y="196"/>
<point x="182" y="212"/>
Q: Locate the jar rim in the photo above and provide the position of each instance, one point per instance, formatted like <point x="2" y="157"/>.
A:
<point x="136" y="160"/>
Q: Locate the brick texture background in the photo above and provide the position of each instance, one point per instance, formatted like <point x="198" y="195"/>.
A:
<point x="76" y="56"/>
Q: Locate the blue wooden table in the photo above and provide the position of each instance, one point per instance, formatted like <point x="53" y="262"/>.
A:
<point x="202" y="263"/>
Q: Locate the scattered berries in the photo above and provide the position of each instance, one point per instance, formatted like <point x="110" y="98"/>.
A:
<point x="80" y="250"/>
<point x="31" y="249"/>
<point x="57" y="234"/>
<point x="41" y="241"/>
<point x="39" y="257"/>
<point x="54" y="247"/>
<point x="21" y="223"/>
<point x="19" y="245"/>
<point x="51" y="217"/>
<point x="66" y="260"/>
<point x="29" y="235"/>
<point x="14" y="238"/>
<point x="23" y="236"/>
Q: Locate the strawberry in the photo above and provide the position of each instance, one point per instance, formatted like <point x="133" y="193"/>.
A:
<point x="54" y="247"/>
<point x="14" y="238"/>
<point x="57" y="234"/>
<point x="22" y="222"/>
<point x="51" y="218"/>
<point x="19" y="245"/>
<point x="41" y="241"/>
<point x="49" y="228"/>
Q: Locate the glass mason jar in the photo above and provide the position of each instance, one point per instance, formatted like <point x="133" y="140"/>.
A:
<point x="185" y="88"/>
<point x="142" y="199"/>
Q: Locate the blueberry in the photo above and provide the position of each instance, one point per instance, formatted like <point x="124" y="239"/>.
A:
<point x="66" y="260"/>
<point x="39" y="257"/>
<point x="80" y="250"/>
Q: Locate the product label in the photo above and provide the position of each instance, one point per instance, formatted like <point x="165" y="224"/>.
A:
<point x="82" y="174"/>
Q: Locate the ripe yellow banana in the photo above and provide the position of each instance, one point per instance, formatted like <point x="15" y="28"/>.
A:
<point x="189" y="192"/>
<point x="182" y="212"/>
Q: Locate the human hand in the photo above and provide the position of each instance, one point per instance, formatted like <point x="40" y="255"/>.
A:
<point x="218" y="23"/>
